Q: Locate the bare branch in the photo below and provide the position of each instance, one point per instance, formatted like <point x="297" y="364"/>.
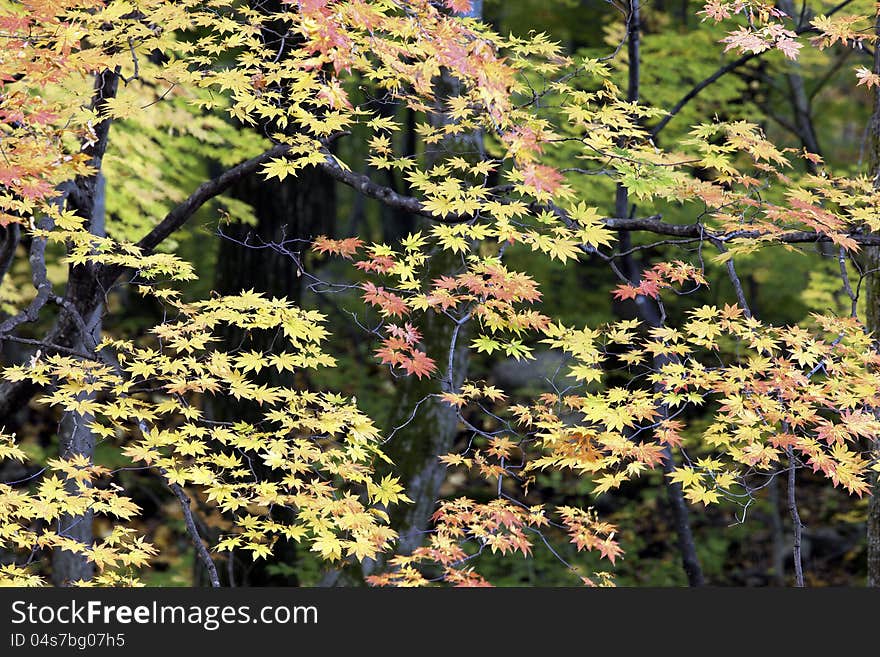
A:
<point x="201" y="550"/>
<point x="49" y="348"/>
<point x="204" y="193"/>
<point x="386" y="195"/>
<point x="697" y="88"/>
<point x="795" y="519"/>
<point x="40" y="280"/>
<point x="734" y="279"/>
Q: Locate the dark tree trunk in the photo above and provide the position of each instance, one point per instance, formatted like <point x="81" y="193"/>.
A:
<point x="75" y="438"/>
<point x="295" y="208"/>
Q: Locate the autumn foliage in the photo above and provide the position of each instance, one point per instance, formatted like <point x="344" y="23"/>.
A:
<point x="720" y="401"/>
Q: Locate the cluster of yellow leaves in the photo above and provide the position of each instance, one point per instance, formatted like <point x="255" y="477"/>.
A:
<point x="849" y="30"/>
<point x="587" y="532"/>
<point x="83" y="247"/>
<point x="598" y="445"/>
<point x="753" y="196"/>
<point x="470" y="391"/>
<point x="776" y="388"/>
<point x="216" y="57"/>
<point x="313" y="453"/>
<point x="776" y="393"/>
<point x="36" y="513"/>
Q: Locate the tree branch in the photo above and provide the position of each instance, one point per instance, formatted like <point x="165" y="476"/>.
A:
<point x="727" y="68"/>
<point x="208" y="190"/>
<point x="797" y="525"/>
<point x="39" y="277"/>
<point x="697" y="88"/>
<point x="734" y="279"/>
<point x="49" y="348"/>
<point x="386" y="195"/>
<point x="655" y="224"/>
<point x="204" y="193"/>
<point x="201" y="550"/>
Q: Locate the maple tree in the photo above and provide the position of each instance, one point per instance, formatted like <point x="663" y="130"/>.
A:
<point x="516" y="146"/>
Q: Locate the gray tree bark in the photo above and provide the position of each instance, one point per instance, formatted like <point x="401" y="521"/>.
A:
<point x="76" y="439"/>
<point x="78" y="326"/>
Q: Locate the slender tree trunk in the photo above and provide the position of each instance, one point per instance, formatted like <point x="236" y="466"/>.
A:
<point x="800" y="101"/>
<point x="422" y="428"/>
<point x="687" y="547"/>
<point x="690" y="562"/>
<point x="796" y="524"/>
<point x="76" y="439"/>
<point x="777" y="532"/>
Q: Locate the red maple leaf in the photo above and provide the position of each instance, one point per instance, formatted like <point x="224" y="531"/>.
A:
<point x="420" y="364"/>
<point x="459" y="6"/>
<point x="388" y="355"/>
<point x="408" y="333"/>
<point x="388" y="302"/>
<point x="609" y="549"/>
<point x="345" y="248"/>
<point x="379" y="264"/>
<point x="542" y="178"/>
<point x="625" y="291"/>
